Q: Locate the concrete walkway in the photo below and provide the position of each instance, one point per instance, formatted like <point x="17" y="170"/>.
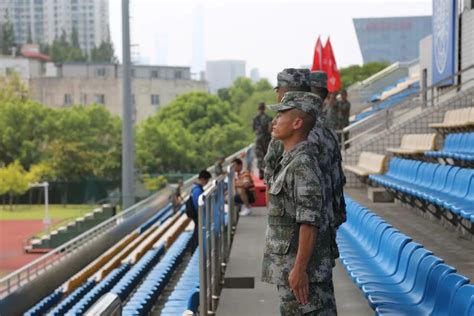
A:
<point x="245" y="261"/>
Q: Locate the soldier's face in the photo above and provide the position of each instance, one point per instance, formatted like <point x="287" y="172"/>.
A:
<point x="285" y="124"/>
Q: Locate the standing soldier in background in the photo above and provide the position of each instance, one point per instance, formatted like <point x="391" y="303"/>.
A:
<point x="298" y="256"/>
<point x="261" y="124"/>
<point x="331" y="111"/>
<point x="344" y="107"/>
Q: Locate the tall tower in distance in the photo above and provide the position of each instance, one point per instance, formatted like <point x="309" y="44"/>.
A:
<point x="198" y="63"/>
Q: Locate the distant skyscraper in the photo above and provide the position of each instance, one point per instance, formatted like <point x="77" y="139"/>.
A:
<point x="160" y="50"/>
<point x="222" y="73"/>
<point x="44" y="20"/>
<point x="198" y="40"/>
<point x="254" y="75"/>
<point x="391" y="39"/>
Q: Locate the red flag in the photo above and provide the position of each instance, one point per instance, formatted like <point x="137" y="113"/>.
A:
<point x="330" y="66"/>
<point x="318" y="56"/>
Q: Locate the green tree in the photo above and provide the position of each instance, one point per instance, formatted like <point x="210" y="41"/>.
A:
<point x="224" y="94"/>
<point x="13" y="89"/>
<point x="263" y="85"/>
<point x="25" y="129"/>
<point x="7" y="36"/>
<point x="41" y="172"/>
<point x="355" y="73"/>
<point x="154" y="183"/>
<point x="240" y="91"/>
<point x="189" y="134"/>
<point x="14" y="181"/>
<point x="104" y="53"/>
<point x="75" y="38"/>
<point x="63" y="51"/>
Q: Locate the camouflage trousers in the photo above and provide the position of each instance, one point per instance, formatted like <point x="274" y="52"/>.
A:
<point x="261" y="147"/>
<point x="321" y="301"/>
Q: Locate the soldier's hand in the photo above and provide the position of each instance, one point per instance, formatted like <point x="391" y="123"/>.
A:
<point x="299" y="284"/>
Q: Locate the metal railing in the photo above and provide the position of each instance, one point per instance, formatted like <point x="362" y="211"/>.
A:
<point x="215" y="238"/>
<point x="214" y="243"/>
<point x="22" y="276"/>
<point x="385" y="118"/>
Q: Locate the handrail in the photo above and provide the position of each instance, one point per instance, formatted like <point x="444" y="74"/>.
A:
<point x="22" y="276"/>
<point x="386" y="116"/>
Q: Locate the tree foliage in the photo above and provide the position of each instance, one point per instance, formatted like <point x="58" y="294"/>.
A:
<point x="14" y="180"/>
<point x="7" y="38"/>
<point x="104" y="53"/>
<point x="189" y="134"/>
<point x="355" y="73"/>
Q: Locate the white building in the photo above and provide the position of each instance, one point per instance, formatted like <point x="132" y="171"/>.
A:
<point x="86" y="83"/>
<point x="222" y="73"/>
<point x="45" y="20"/>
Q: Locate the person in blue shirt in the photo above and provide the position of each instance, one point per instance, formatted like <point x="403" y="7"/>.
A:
<point x="196" y="191"/>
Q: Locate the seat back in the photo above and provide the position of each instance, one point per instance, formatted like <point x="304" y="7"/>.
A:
<point x="427" y="265"/>
<point x="445" y="293"/>
<point x="414" y="262"/>
<point x="373" y="162"/>
<point x="428" y="177"/>
<point x="433" y="282"/>
<point x="461" y="183"/>
<point x="463" y="302"/>
<point x="448" y="186"/>
<point x="440" y="177"/>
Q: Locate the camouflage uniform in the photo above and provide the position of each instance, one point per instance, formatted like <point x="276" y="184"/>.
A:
<point x="297" y="196"/>
<point x="329" y="158"/>
<point x="344" y="108"/>
<point x="261" y="124"/>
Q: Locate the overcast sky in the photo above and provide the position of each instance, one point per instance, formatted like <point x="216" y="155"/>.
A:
<point x="268" y="34"/>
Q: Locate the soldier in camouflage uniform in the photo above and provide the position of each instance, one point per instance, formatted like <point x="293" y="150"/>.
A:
<point x="330" y="158"/>
<point x="344" y="107"/>
<point x="261" y="125"/>
<point x="298" y="254"/>
<point x="289" y="79"/>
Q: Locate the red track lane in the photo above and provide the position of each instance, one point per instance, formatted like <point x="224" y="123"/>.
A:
<point x="12" y="236"/>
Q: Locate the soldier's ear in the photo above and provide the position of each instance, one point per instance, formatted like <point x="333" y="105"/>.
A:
<point x="298" y="123"/>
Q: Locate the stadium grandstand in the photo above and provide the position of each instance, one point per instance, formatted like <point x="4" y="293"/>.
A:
<point x="406" y="247"/>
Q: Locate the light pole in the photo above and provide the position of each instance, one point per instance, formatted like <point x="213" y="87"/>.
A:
<point x="128" y="174"/>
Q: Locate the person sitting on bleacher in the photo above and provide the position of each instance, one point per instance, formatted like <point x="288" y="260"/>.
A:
<point x="192" y="205"/>
<point x="244" y="188"/>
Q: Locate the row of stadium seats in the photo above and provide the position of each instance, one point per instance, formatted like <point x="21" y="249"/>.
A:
<point x="447" y="187"/>
<point x="185" y="297"/>
<point x="72" y="298"/>
<point x="456" y="146"/>
<point x="389" y="102"/>
<point x="397" y="275"/>
<point x="130" y="280"/>
<point x="143" y="299"/>
<point x="458" y="119"/>
<point x="97" y="291"/>
<point x="45" y="304"/>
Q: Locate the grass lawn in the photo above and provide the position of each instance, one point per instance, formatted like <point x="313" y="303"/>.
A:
<point x="36" y="212"/>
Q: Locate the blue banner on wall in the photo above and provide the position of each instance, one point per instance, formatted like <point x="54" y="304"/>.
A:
<point x="444" y="40"/>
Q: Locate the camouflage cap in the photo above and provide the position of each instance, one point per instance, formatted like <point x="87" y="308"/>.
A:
<point x="318" y="79"/>
<point x="305" y="101"/>
<point x="292" y="77"/>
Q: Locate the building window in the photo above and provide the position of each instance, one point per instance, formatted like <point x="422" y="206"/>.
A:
<point x="100" y="99"/>
<point x="178" y="74"/>
<point x="155" y="99"/>
<point x="67" y="99"/>
<point x="154" y="74"/>
<point x="100" y="72"/>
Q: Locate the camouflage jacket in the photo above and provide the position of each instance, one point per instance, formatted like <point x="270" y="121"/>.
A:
<point x="296" y="197"/>
<point x="329" y="159"/>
